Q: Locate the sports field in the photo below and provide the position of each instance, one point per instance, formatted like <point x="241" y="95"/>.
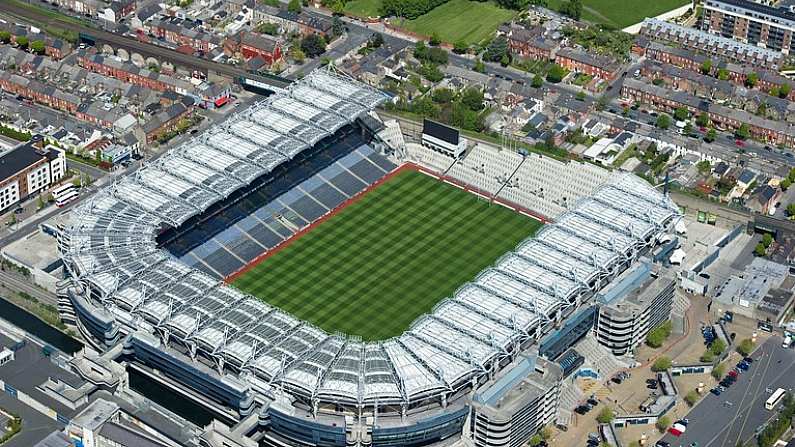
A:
<point x="621" y="13"/>
<point x="382" y="261"/>
<point x="363" y="8"/>
<point x="460" y="20"/>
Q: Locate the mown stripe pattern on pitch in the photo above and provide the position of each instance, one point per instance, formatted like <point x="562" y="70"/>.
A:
<point x="382" y="261"/>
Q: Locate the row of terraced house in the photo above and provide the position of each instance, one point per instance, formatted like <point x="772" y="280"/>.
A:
<point x="771" y="131"/>
<point x="693" y="61"/>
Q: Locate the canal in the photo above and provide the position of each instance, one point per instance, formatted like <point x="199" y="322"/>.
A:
<point x="138" y="382"/>
<point x="30" y="323"/>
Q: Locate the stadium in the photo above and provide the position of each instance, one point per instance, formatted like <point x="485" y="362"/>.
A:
<point x="149" y="259"/>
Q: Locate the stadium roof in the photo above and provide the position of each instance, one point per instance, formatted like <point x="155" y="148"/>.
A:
<point x="111" y="246"/>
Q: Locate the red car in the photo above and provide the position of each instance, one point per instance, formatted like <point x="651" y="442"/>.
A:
<point x="733" y="373"/>
<point x="739" y="143"/>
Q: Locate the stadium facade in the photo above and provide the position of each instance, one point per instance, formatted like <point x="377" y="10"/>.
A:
<point x="311" y="387"/>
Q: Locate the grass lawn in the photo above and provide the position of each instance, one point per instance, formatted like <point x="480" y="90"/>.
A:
<point x="466" y="20"/>
<point x="622" y="13"/>
<point x="363" y="8"/>
<point x="388" y="258"/>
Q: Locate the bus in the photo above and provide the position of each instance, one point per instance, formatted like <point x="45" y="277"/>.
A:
<point x="64" y="194"/>
<point x="775" y="398"/>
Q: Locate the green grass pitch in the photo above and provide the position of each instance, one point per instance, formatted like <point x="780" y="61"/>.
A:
<point x="379" y="263"/>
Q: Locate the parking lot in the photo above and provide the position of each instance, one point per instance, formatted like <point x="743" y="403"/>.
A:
<point x="735" y="415"/>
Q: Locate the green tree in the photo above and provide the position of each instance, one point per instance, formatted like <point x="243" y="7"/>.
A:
<point x="745" y="347"/>
<point x="785" y="184"/>
<point x="752" y="79"/>
<point x="784" y="90"/>
<point x="706" y="66"/>
<point x="5" y="37"/>
<point x="431" y="72"/>
<point x="294" y="6"/>
<point x="742" y="132"/>
<point x="704" y="167"/>
<point x="460" y="47"/>
<point x="767" y="239"/>
<point x="606" y="416"/>
<point x="691" y="397"/>
<point x="572" y="8"/>
<point x="718" y="371"/>
<point x="663" y="121"/>
<point x="538" y="81"/>
<point x="711" y="135"/>
<point x="707" y="356"/>
<point x="496" y="49"/>
<point x="681" y="114"/>
<point x="760" y="250"/>
<point x="22" y="42"/>
<point x="479" y="66"/>
<point x="723" y="74"/>
<point x="421" y="50"/>
<point x="337" y="27"/>
<point x="702" y="119"/>
<point x="662" y="424"/>
<point x="297" y="54"/>
<point x="717" y="347"/>
<point x="435" y="39"/>
<point x="657" y="336"/>
<point x="313" y="45"/>
<point x="556" y="74"/>
<point x="661" y="364"/>
<point x="376" y="40"/>
<point x="37" y="46"/>
<point x="442" y="95"/>
<point x="437" y="56"/>
<point x="791" y="209"/>
<point x="580" y="96"/>
<point x="472" y="97"/>
<point x="268" y="28"/>
<point x="337" y="7"/>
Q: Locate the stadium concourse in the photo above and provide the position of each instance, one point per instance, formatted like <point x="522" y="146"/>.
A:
<point x="126" y="288"/>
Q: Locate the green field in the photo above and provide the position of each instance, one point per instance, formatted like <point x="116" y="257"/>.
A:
<point x="388" y="258"/>
<point x="363" y="8"/>
<point x="460" y="20"/>
<point x="622" y="13"/>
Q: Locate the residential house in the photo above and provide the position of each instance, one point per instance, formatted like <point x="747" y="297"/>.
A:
<point x="772" y="131"/>
<point x="165" y="121"/>
<point x="602" y="67"/>
<point x="260" y="45"/>
<point x="530" y="44"/>
<point x="764" y="199"/>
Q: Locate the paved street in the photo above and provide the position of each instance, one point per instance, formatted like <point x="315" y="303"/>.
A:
<point x="716" y="423"/>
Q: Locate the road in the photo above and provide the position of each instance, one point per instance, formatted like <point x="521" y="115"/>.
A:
<point x="116" y="40"/>
<point x="716" y="423"/>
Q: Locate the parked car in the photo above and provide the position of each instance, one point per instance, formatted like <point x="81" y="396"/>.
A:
<point x="716" y="391"/>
